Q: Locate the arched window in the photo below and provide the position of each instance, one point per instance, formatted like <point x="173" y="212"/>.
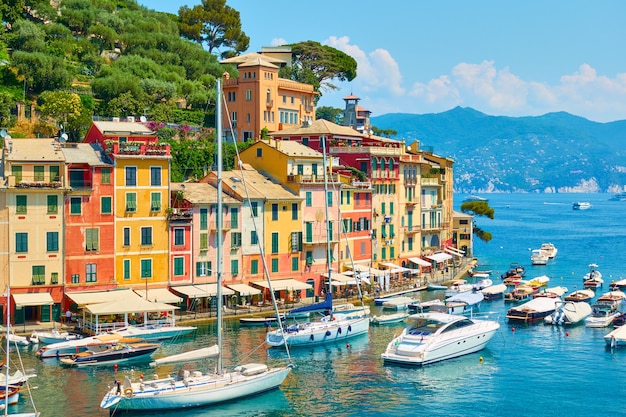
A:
<point x="390" y="164"/>
<point x="374" y="164"/>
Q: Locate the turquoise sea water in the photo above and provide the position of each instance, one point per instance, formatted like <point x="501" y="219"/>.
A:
<point x="533" y="370"/>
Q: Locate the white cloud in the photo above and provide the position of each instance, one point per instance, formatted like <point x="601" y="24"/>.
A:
<point x="278" y="42"/>
<point x="483" y="86"/>
<point x="377" y="71"/>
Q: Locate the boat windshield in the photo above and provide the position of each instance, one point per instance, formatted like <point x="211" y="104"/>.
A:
<point x="425" y="326"/>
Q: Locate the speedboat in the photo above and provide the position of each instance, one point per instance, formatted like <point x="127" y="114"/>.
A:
<point x="521" y="293"/>
<point x="260" y="321"/>
<point x="514" y="269"/>
<point x="54" y="336"/>
<point x="434" y="337"/>
<point x="550" y="249"/>
<point x="426" y="306"/>
<point x="581" y="205"/>
<point x="397" y="303"/>
<point x="482" y="281"/>
<point x="602" y="315"/>
<point x="533" y="310"/>
<point x="111" y="354"/>
<point x="617" y="337"/>
<point x="71" y="347"/>
<point x="593" y="278"/>
<point x="619" y="285"/>
<point x="552" y="292"/>
<point x="569" y="313"/>
<point x="538" y="257"/>
<point x="389" y="318"/>
<point x="494" y="291"/>
<point x="463" y="302"/>
<point x="580" y="295"/>
<point x="618" y="197"/>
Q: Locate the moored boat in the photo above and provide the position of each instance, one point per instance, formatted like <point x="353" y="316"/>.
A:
<point x="550" y="249"/>
<point x="427" y="306"/>
<point x="464" y="302"/>
<point x="616" y="338"/>
<point x="580" y="295"/>
<point x="538" y="257"/>
<point x="533" y="310"/>
<point x="552" y="292"/>
<point x="389" y="318"/>
<point x="112" y="354"/>
<point x="602" y="315"/>
<point x="397" y="303"/>
<point x="569" y="313"/>
<point x="494" y="292"/>
<point x="54" y="336"/>
<point x="434" y="337"/>
<point x="514" y="269"/>
<point x="520" y="293"/>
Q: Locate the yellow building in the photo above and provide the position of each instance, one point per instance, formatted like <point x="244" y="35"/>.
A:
<point x="32" y="250"/>
<point x="141" y="197"/>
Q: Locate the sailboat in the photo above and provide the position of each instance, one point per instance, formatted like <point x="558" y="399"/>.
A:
<point x="335" y="326"/>
<point x="196" y="389"/>
<point x="12" y="384"/>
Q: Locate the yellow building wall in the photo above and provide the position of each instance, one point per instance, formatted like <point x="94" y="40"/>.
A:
<point x="36" y="222"/>
<point x="143" y="217"/>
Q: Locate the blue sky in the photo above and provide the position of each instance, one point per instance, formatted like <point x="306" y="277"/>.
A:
<point x="522" y="58"/>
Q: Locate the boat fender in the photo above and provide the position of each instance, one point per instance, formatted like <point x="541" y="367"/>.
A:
<point x="327" y="332"/>
<point x="349" y="328"/>
<point x="128" y="392"/>
<point x="312" y="337"/>
<point x="339" y="331"/>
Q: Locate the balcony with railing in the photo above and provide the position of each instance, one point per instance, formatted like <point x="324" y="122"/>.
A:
<point x="430" y="181"/>
<point x="138" y="148"/>
<point x="301" y="178"/>
<point x="33" y="181"/>
<point x="409" y="230"/>
<point x="179" y="215"/>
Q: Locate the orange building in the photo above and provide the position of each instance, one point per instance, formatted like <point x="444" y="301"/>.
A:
<point x="259" y="99"/>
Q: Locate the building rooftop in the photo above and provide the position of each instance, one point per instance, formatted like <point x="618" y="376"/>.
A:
<point x="33" y="150"/>
<point x="128" y="128"/>
<point x="85" y="153"/>
<point x="201" y="193"/>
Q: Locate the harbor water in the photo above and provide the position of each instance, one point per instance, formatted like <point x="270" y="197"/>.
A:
<point x="526" y="370"/>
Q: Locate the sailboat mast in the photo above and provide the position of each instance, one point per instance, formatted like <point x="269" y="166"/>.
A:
<point x="328" y="223"/>
<point x="219" y="220"/>
<point x="7" y="364"/>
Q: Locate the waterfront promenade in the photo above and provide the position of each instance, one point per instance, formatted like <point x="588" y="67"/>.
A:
<point x="406" y="285"/>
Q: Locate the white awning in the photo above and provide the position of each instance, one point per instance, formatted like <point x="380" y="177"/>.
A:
<point x="393" y="268"/>
<point x="210" y="290"/>
<point x="159" y="295"/>
<point x="453" y="252"/>
<point x="244" y="289"/>
<point x="201" y="290"/>
<point x="139" y="305"/>
<point x="338" y="277"/>
<point x="440" y="257"/>
<point x="84" y="298"/>
<point x="284" y="284"/>
<point x="353" y="280"/>
<point x="370" y="271"/>
<point x="32" y="299"/>
<point x="420" y="261"/>
<point x="190" y="291"/>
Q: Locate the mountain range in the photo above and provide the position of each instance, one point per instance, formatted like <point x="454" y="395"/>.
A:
<point x="555" y="152"/>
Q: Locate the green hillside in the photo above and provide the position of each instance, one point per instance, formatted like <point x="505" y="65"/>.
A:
<point x="120" y="58"/>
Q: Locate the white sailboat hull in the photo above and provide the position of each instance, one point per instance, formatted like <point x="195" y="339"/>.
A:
<point x="309" y="334"/>
<point x="194" y="391"/>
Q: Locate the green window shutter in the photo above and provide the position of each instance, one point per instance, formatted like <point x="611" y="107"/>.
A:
<point x="295" y="263"/>
<point x="254" y="267"/>
<point x="21" y="204"/>
<point x="53" y="204"/>
<point x="274" y="242"/>
<point x="234" y="267"/>
<point x="126" y="264"/>
<point x="106" y="205"/>
<point x="274" y="265"/>
<point x="204" y="219"/>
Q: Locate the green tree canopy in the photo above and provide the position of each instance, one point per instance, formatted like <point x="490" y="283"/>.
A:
<point x="332" y="114"/>
<point x="386" y="133"/>
<point x="215" y="24"/>
<point x="323" y="63"/>
<point x="479" y="208"/>
<point x="66" y="109"/>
